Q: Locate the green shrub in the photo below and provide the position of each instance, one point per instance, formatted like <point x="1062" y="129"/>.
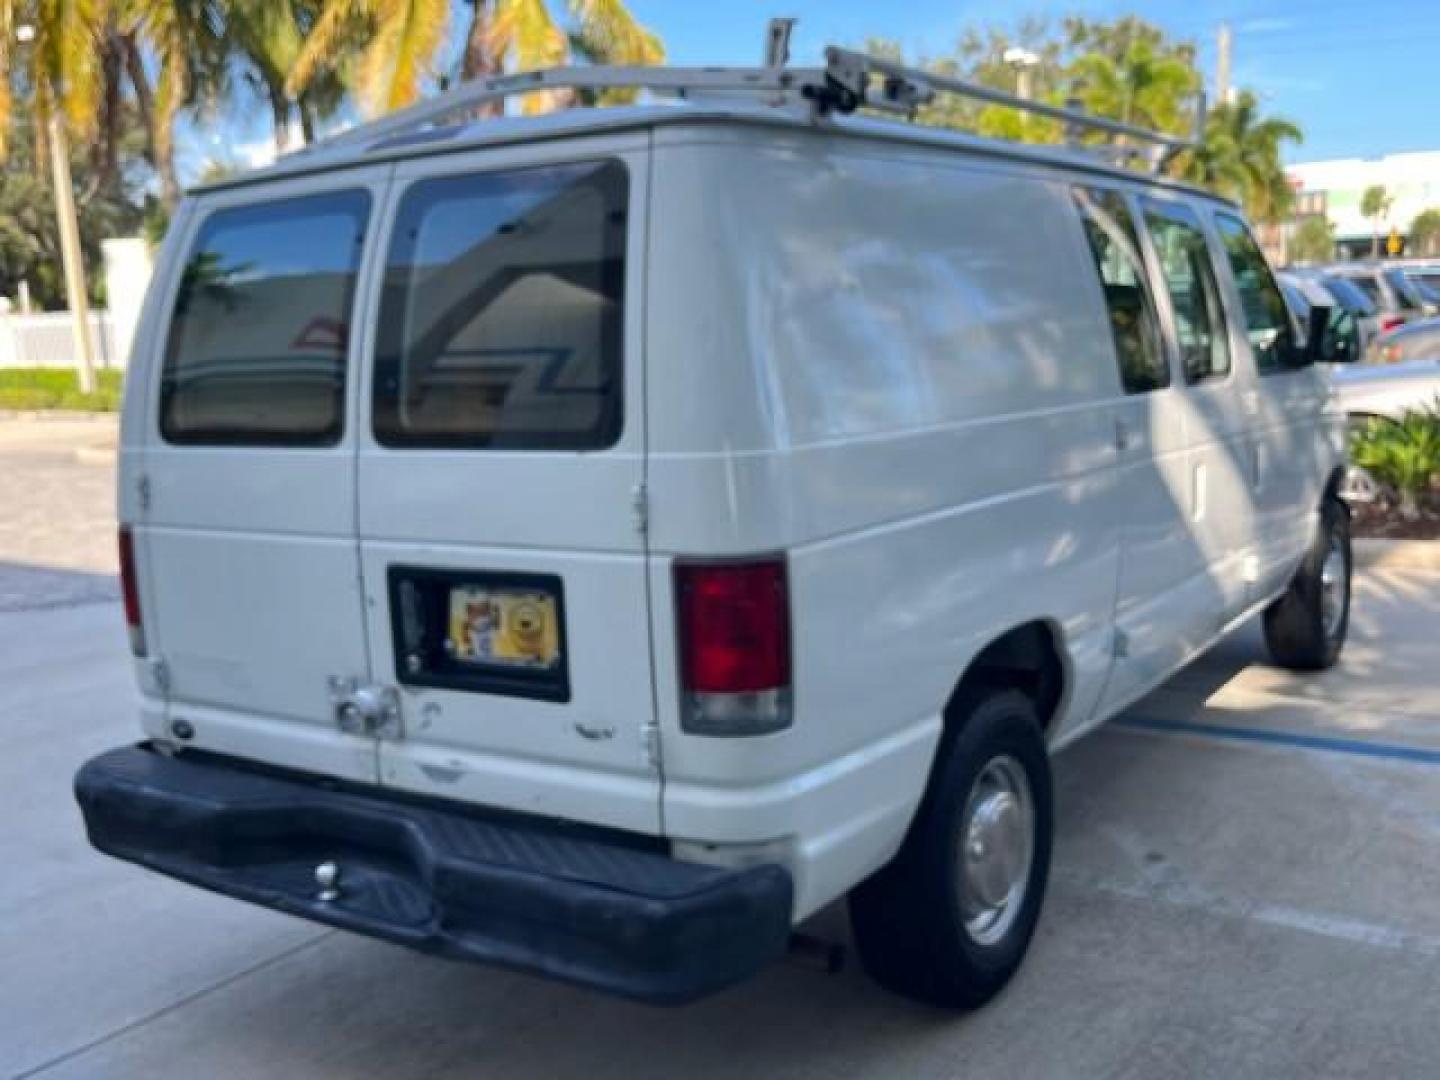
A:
<point x="58" y="388"/>
<point x="1402" y="455"/>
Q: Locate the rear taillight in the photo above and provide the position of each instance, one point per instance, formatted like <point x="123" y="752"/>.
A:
<point x="734" y="623"/>
<point x="1390" y="322"/>
<point x="130" y="592"/>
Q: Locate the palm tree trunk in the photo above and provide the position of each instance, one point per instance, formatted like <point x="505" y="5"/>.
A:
<point x="307" y="119"/>
<point x="105" y="151"/>
<point x="280" y="112"/>
<point x="478" y="62"/>
<point x="162" y="160"/>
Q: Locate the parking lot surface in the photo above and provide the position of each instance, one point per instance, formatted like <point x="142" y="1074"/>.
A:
<point x="1244" y="886"/>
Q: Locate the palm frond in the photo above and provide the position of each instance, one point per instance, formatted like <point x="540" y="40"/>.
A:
<point x="323" y="46"/>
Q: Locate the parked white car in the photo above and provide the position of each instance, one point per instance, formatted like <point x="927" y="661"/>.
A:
<point x="594" y="543"/>
<point x="1388" y="390"/>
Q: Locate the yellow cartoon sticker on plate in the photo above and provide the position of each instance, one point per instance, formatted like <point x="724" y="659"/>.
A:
<point x="513" y="627"/>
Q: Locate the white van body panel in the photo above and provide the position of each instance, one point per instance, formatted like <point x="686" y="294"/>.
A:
<point x="934" y="454"/>
<point x="889" y="361"/>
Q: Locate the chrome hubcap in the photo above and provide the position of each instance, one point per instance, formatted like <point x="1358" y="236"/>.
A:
<point x="997" y="838"/>
<point x="1333" y="596"/>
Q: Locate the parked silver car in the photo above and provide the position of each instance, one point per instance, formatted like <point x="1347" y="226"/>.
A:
<point x="1398" y="300"/>
<point x="1387" y="390"/>
<point x="1413" y="341"/>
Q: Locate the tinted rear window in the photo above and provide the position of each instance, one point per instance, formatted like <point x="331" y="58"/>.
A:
<point x="257" y="345"/>
<point x="501" y="319"/>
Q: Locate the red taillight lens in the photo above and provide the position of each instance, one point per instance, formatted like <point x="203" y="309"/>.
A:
<point x="130" y="592"/>
<point x="1390" y="322"/>
<point x="734" y="622"/>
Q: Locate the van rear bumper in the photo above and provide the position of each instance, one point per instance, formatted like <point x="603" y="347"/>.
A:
<point x="596" y="909"/>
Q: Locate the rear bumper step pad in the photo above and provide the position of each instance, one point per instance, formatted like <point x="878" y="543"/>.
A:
<point x="521" y="895"/>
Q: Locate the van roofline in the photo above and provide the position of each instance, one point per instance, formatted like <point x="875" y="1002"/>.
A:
<point x="580" y="122"/>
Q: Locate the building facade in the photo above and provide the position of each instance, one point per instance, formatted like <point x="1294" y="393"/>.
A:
<point x="1337" y="188"/>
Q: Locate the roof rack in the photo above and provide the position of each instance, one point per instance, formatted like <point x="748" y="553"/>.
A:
<point x="903" y="90"/>
<point x="849" y="81"/>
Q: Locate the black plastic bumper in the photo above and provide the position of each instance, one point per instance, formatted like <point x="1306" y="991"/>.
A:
<point x="597" y="910"/>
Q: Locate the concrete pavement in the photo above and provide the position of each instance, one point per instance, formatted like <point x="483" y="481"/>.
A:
<point x="1244" y="886"/>
<point x="1220" y="907"/>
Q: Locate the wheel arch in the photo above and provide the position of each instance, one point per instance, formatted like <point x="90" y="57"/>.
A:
<point x="1031" y="657"/>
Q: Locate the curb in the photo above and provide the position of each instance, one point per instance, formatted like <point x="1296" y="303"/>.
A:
<point x="61" y="415"/>
<point x="96" y="455"/>
<point x="1375" y="554"/>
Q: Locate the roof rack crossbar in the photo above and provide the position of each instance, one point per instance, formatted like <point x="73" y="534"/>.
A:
<point x="771" y="85"/>
<point x="903" y="89"/>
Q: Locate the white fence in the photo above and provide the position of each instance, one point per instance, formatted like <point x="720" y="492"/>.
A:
<point x="45" y="340"/>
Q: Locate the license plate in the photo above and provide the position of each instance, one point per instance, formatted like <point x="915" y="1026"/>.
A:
<point x="485" y="632"/>
<point x="503" y="627"/>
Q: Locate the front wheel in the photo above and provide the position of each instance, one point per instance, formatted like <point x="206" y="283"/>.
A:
<point x="949" y="920"/>
<point x="1305" y="629"/>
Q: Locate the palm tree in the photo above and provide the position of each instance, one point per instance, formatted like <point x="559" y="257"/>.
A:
<point x="1240" y="157"/>
<point x="52" y="48"/>
<point x="1142" y="85"/>
<point x="1375" y="203"/>
<point x="392" y="42"/>
<point x="185" y="40"/>
<point x="266" y="39"/>
<point x="404" y="36"/>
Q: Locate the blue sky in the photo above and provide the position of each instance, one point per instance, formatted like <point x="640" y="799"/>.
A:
<point x="1357" y="77"/>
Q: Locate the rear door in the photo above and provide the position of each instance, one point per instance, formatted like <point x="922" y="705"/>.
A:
<point x="501" y="483"/>
<point x="247" y="520"/>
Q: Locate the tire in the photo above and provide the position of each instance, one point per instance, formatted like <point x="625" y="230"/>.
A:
<point x="1304" y="630"/>
<point x="909" y="919"/>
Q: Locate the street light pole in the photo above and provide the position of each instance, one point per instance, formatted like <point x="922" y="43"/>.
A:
<point x="71" y="256"/>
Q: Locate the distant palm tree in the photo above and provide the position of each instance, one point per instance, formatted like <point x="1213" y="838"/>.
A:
<point x="1141" y="85"/>
<point x="1239" y="156"/>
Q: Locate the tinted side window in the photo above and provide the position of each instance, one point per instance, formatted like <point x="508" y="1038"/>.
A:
<point x="257" y="344"/>
<point x="1267" y="320"/>
<point x="1110" y="231"/>
<point x="1194" y="296"/>
<point x="501" y="319"/>
<point x="1371" y="288"/>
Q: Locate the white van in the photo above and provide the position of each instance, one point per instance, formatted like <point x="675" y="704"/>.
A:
<point x="593" y="543"/>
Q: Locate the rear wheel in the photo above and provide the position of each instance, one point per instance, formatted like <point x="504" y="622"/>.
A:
<point x="1305" y="629"/>
<point x="950" y="918"/>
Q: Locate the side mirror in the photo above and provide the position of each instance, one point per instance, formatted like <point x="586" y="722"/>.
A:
<point x="1319" y="345"/>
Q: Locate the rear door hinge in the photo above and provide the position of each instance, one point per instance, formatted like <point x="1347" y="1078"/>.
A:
<point x="640" y="507"/>
<point x="1120" y="644"/>
<point x="142" y="492"/>
<point x="159" y="675"/>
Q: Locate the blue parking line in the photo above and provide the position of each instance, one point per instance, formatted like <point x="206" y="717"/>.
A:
<point x="1324" y="743"/>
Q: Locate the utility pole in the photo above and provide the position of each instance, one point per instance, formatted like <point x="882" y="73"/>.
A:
<point x="70" y="254"/>
<point x="1222" y="64"/>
